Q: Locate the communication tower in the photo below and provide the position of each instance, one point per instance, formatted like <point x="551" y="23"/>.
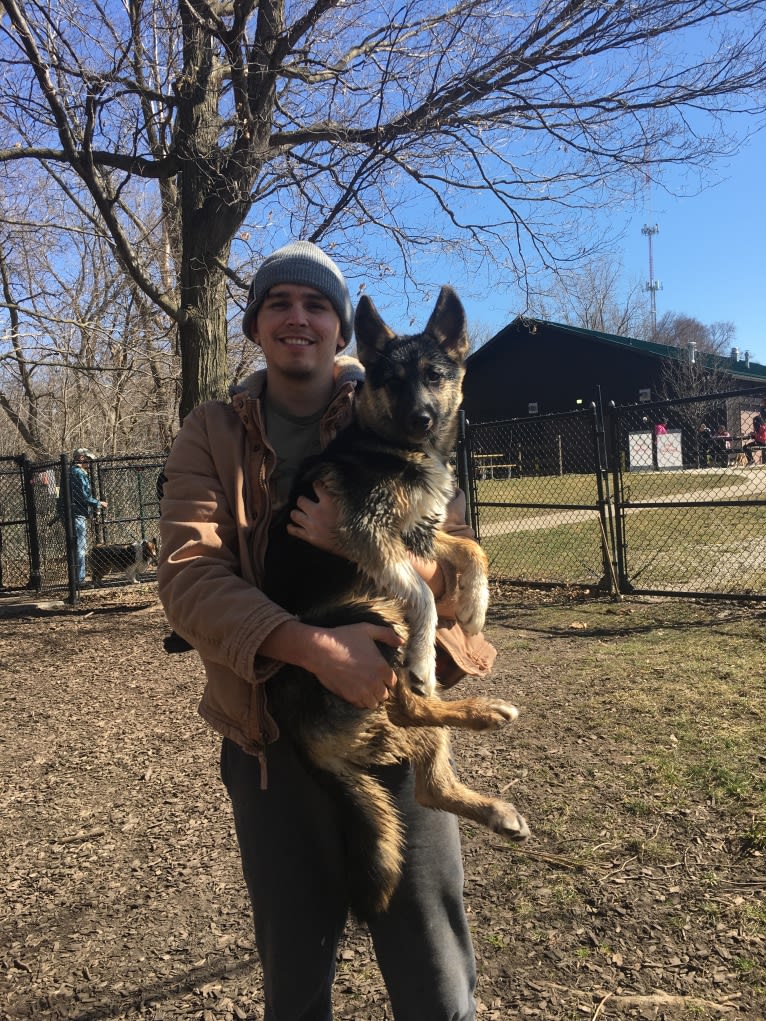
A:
<point x="652" y="285"/>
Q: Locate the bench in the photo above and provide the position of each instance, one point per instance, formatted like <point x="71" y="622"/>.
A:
<point x="488" y="464"/>
<point x="733" y="453"/>
<point x="507" y="467"/>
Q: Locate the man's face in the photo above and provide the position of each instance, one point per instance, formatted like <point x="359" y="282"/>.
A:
<point x="298" y="330"/>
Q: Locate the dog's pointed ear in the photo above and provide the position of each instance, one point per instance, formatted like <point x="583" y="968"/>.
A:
<point x="372" y="334"/>
<point x="448" y="324"/>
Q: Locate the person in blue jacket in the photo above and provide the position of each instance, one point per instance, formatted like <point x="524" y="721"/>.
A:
<point x="84" y="504"/>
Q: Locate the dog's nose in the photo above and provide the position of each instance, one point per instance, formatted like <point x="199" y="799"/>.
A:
<point x="420" y="423"/>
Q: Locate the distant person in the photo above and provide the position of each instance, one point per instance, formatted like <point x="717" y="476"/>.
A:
<point x="84" y="505"/>
<point x="756" y="440"/>
<point x="721" y="445"/>
<point x="661" y="427"/>
<point x="704" y="444"/>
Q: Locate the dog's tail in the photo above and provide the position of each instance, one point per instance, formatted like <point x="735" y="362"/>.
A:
<point x="332" y="736"/>
<point x="373" y="835"/>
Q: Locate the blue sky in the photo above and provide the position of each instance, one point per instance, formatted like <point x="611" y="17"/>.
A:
<point x="709" y="254"/>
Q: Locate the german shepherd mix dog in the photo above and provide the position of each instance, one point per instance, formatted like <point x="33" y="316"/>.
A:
<point x="389" y="474"/>
<point x="130" y="559"/>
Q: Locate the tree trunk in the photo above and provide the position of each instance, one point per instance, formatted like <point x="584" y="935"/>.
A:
<point x="202" y="339"/>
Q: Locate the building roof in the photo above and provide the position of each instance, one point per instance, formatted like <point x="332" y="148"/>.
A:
<point x="752" y="372"/>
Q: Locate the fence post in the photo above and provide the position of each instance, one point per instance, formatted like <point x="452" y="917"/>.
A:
<point x="619" y="541"/>
<point x="604" y="506"/>
<point x="33" y="538"/>
<point x="68" y="523"/>
<point x="463" y="471"/>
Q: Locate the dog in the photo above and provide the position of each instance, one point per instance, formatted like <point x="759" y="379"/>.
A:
<point x="740" y="460"/>
<point x="132" y="559"/>
<point x="389" y="474"/>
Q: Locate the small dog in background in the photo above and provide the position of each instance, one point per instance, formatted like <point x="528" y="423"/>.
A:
<point x="131" y="559"/>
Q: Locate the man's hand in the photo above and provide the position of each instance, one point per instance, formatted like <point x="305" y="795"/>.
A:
<point x="316" y="521"/>
<point x="346" y="660"/>
<point x="348" y="663"/>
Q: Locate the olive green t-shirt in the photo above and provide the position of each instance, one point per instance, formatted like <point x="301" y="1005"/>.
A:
<point x="294" y="438"/>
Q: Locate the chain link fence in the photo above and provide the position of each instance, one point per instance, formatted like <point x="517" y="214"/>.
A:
<point x="536" y="495"/>
<point x="36" y="533"/>
<point x="690" y="495"/>
<point x="663" y="498"/>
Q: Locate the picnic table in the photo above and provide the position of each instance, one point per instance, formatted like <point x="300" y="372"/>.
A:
<point x="487" y="465"/>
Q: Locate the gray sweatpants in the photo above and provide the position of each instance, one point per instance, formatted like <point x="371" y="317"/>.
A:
<point x="293" y="863"/>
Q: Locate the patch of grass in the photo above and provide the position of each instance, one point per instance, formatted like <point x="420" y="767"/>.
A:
<point x="754" y="840"/>
<point x="565" y="894"/>
<point x="753" y="914"/>
<point x="547" y="529"/>
<point x="641" y="809"/>
<point x="718" y="780"/>
<point x="744" y="965"/>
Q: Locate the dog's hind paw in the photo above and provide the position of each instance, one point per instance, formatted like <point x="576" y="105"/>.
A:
<point x="501" y="712"/>
<point x="509" y="824"/>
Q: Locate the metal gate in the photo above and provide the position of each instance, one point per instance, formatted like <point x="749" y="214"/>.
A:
<point x="661" y="498"/>
<point x="690" y="502"/>
<point x="538" y="498"/>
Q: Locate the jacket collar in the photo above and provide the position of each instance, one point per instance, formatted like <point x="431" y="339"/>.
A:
<point x="349" y="373"/>
<point x="347" y="370"/>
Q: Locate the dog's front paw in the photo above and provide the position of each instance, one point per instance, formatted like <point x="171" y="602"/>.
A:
<point x="471" y="604"/>
<point x="421" y="667"/>
<point x="417" y="685"/>
<point x="422" y="684"/>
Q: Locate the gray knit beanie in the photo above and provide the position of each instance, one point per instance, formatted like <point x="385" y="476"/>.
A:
<point x="301" y="262"/>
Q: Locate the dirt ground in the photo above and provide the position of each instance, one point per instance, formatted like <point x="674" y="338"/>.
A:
<point x="122" y="893"/>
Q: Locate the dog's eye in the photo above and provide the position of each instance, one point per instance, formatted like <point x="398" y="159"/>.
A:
<point x="433" y="376"/>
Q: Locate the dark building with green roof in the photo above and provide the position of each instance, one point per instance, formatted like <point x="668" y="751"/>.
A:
<point x="536" y="366"/>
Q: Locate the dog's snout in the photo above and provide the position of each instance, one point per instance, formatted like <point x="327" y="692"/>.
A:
<point x="420" y="422"/>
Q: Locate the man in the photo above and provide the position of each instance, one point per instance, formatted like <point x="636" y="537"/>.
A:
<point x="84" y="505"/>
<point x="230" y="468"/>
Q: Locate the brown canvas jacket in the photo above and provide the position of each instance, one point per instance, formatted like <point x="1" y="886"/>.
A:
<point x="216" y="511"/>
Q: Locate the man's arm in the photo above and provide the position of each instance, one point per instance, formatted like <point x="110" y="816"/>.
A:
<point x="224" y="616"/>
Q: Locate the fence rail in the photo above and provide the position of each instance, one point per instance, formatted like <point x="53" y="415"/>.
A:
<point x="581" y="498"/>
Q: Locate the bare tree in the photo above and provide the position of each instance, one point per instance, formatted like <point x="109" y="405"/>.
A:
<point x="478" y="128"/>
<point x="696" y="367"/>
<point x="85" y="358"/>
<point x="698" y="364"/>
<point x="594" y="297"/>
<point x="684" y="331"/>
